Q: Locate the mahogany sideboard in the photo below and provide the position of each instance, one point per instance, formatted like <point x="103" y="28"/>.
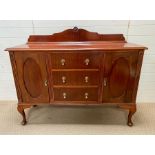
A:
<point x="77" y="67"/>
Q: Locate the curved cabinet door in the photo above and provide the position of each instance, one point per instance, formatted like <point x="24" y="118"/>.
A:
<point x="119" y="76"/>
<point x="32" y="77"/>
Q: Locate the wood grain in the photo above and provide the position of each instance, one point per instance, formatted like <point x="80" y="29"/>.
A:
<point x="77" y="67"/>
<point x="76" y="34"/>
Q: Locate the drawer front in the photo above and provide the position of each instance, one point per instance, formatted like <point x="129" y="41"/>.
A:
<point x="75" y="60"/>
<point x="76" y="94"/>
<point x="75" y="78"/>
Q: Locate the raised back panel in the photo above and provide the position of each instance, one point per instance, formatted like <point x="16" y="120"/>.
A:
<point x="76" y="34"/>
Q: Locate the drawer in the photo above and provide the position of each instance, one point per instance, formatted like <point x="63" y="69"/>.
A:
<point x="76" y="94"/>
<point x="75" y="78"/>
<point x="75" y="60"/>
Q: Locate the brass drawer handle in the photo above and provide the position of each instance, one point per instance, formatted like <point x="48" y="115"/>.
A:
<point x="105" y="82"/>
<point x="86" y="79"/>
<point x="46" y="83"/>
<point x="87" y="62"/>
<point x="63" y="62"/>
<point x="86" y="95"/>
<point x="64" y="95"/>
<point x="63" y="79"/>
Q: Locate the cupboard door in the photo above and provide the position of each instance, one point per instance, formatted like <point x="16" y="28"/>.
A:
<point x="32" y="74"/>
<point x="119" y="76"/>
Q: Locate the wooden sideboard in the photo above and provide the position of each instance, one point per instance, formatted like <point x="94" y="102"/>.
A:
<point x="78" y="68"/>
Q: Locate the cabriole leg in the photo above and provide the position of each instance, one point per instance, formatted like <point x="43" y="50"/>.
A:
<point x="131" y="112"/>
<point x="21" y="108"/>
<point x="22" y="112"/>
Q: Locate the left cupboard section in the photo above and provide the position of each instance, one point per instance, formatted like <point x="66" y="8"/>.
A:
<point x="32" y="75"/>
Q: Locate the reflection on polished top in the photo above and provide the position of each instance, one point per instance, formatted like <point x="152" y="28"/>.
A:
<point x="85" y="45"/>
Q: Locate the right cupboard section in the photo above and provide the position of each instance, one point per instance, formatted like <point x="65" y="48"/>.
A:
<point x="119" y="76"/>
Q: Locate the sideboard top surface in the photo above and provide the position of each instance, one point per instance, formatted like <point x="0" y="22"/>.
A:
<point x="76" y="39"/>
<point x="86" y="45"/>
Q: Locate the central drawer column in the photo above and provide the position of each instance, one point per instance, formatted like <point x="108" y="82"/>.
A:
<point x="76" y="76"/>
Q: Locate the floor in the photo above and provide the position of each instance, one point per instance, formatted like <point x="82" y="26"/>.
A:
<point x="80" y="120"/>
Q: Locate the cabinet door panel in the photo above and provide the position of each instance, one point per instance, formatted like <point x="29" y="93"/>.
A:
<point x="119" y="76"/>
<point x="32" y="76"/>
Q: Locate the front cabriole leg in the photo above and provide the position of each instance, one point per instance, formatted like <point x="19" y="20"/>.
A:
<point x="20" y="109"/>
<point x="132" y="110"/>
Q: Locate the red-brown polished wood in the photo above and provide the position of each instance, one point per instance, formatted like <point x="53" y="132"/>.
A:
<point x="76" y="35"/>
<point x="32" y="75"/>
<point x="77" y="67"/>
<point x="76" y="46"/>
